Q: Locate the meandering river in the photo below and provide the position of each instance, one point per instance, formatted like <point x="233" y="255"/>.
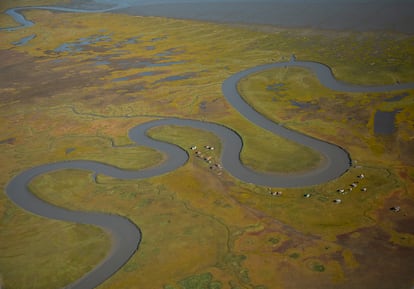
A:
<point x="126" y="235"/>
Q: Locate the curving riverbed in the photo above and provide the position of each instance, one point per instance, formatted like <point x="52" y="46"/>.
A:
<point x="126" y="235"/>
<point x="17" y="16"/>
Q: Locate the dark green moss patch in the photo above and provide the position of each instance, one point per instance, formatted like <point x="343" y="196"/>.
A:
<point x="274" y="240"/>
<point x="202" y="281"/>
<point x="294" y="255"/>
<point x="318" y="267"/>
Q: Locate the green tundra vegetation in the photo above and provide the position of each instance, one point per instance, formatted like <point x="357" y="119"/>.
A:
<point x="76" y="88"/>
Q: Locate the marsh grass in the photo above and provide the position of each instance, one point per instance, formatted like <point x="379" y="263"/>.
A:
<point x="130" y="156"/>
<point x="53" y="251"/>
<point x="261" y="151"/>
<point x="318" y="214"/>
<point x="171" y="226"/>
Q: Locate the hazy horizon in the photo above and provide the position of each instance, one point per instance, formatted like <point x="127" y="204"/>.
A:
<point x="356" y="15"/>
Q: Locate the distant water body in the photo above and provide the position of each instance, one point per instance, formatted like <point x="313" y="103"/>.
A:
<point x="356" y="15"/>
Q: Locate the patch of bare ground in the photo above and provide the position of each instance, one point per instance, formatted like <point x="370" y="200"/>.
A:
<point x="29" y="79"/>
<point x="11" y="140"/>
<point x="382" y="264"/>
<point x="398" y="211"/>
<point x="406" y="149"/>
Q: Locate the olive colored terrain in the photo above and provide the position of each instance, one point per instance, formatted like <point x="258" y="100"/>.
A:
<point x="76" y="88"/>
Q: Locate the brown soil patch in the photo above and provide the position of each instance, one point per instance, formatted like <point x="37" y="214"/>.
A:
<point x="34" y="78"/>
<point x="401" y="221"/>
<point x="11" y="140"/>
<point x="382" y="264"/>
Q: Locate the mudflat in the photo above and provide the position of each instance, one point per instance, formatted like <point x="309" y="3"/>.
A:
<point x="333" y="15"/>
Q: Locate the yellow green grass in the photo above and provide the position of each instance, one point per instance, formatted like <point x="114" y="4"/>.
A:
<point x="51" y="250"/>
<point x="346" y="119"/>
